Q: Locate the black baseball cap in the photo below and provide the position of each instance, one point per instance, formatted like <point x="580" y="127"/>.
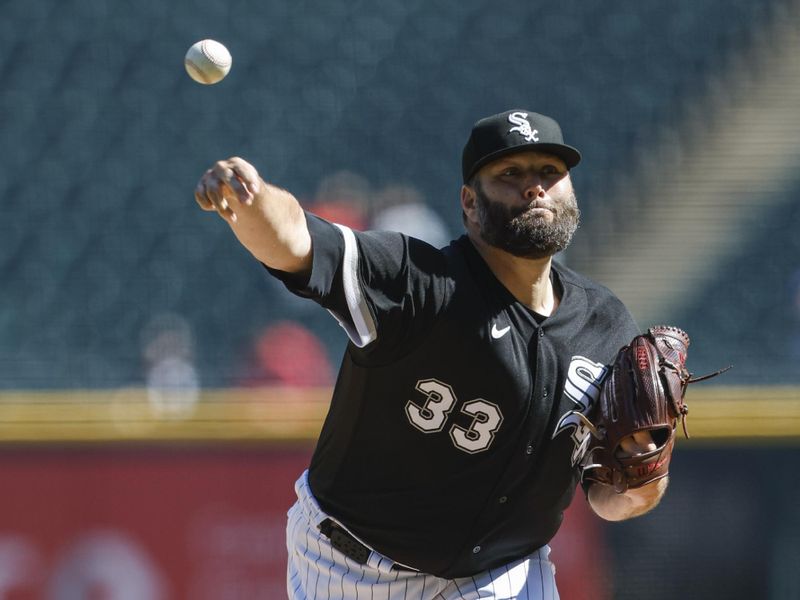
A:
<point x="510" y="132"/>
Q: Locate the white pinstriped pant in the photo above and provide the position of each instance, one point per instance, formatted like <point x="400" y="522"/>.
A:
<point x="317" y="571"/>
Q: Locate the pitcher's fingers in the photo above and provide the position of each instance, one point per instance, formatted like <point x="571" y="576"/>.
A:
<point x="217" y="189"/>
<point x="644" y="440"/>
<point x="627" y="447"/>
<point x="214" y="190"/>
<point x="635" y="444"/>
<point x="228" y="178"/>
<point x="242" y="193"/>
<point x="201" y="198"/>
<point x="225" y="211"/>
<point x="201" y="192"/>
<point x="247" y="173"/>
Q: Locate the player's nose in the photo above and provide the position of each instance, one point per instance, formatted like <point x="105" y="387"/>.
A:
<point x="533" y="188"/>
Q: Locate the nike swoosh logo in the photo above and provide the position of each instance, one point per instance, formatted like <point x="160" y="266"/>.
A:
<point x="498" y="333"/>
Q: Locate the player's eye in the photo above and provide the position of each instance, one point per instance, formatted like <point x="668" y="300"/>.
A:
<point x="549" y="171"/>
<point x="510" y="171"/>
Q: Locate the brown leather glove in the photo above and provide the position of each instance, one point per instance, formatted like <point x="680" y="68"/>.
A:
<point x="643" y="392"/>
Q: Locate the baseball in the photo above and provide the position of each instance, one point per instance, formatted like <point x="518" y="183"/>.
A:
<point x="207" y="62"/>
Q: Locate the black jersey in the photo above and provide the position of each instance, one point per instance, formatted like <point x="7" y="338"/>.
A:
<point x="451" y="441"/>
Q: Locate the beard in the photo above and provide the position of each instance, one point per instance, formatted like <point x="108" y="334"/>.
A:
<point x="523" y="233"/>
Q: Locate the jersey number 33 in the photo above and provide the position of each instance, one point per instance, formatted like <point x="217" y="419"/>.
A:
<point x="439" y="400"/>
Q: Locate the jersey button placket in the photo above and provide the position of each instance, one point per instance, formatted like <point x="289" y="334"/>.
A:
<point x="476" y="549"/>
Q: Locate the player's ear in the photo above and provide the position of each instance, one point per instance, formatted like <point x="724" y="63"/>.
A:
<point x="469" y="202"/>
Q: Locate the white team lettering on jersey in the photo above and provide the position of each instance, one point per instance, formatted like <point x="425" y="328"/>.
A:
<point x="583" y="385"/>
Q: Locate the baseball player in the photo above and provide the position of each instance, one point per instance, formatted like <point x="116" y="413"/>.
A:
<point x="454" y="437"/>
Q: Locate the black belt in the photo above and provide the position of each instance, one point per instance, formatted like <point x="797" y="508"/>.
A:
<point x="344" y="542"/>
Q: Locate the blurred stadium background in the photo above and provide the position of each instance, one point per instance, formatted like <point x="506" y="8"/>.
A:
<point x="159" y="393"/>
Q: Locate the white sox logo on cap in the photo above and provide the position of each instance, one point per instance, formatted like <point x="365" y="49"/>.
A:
<point x="491" y="138"/>
<point x="523" y="126"/>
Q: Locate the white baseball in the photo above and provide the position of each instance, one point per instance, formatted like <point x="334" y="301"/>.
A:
<point x="207" y="62"/>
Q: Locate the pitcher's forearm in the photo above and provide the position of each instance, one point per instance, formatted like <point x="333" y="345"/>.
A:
<point x="273" y="228"/>
<point x="266" y="219"/>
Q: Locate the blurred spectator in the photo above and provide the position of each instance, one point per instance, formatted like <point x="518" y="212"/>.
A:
<point x="343" y="198"/>
<point x="20" y="566"/>
<point x="172" y="382"/>
<point x="401" y="208"/>
<point x="288" y="354"/>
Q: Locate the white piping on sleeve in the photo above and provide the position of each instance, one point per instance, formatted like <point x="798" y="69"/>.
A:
<point x="364" y="331"/>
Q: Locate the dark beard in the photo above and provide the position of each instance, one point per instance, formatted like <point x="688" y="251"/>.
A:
<point x="521" y="233"/>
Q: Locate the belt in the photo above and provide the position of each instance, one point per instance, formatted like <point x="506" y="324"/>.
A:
<point x="344" y="542"/>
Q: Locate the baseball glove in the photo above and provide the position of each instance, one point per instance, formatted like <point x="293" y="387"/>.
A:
<point x="643" y="392"/>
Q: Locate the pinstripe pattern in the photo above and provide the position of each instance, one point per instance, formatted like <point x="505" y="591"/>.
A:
<point x="317" y="571"/>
